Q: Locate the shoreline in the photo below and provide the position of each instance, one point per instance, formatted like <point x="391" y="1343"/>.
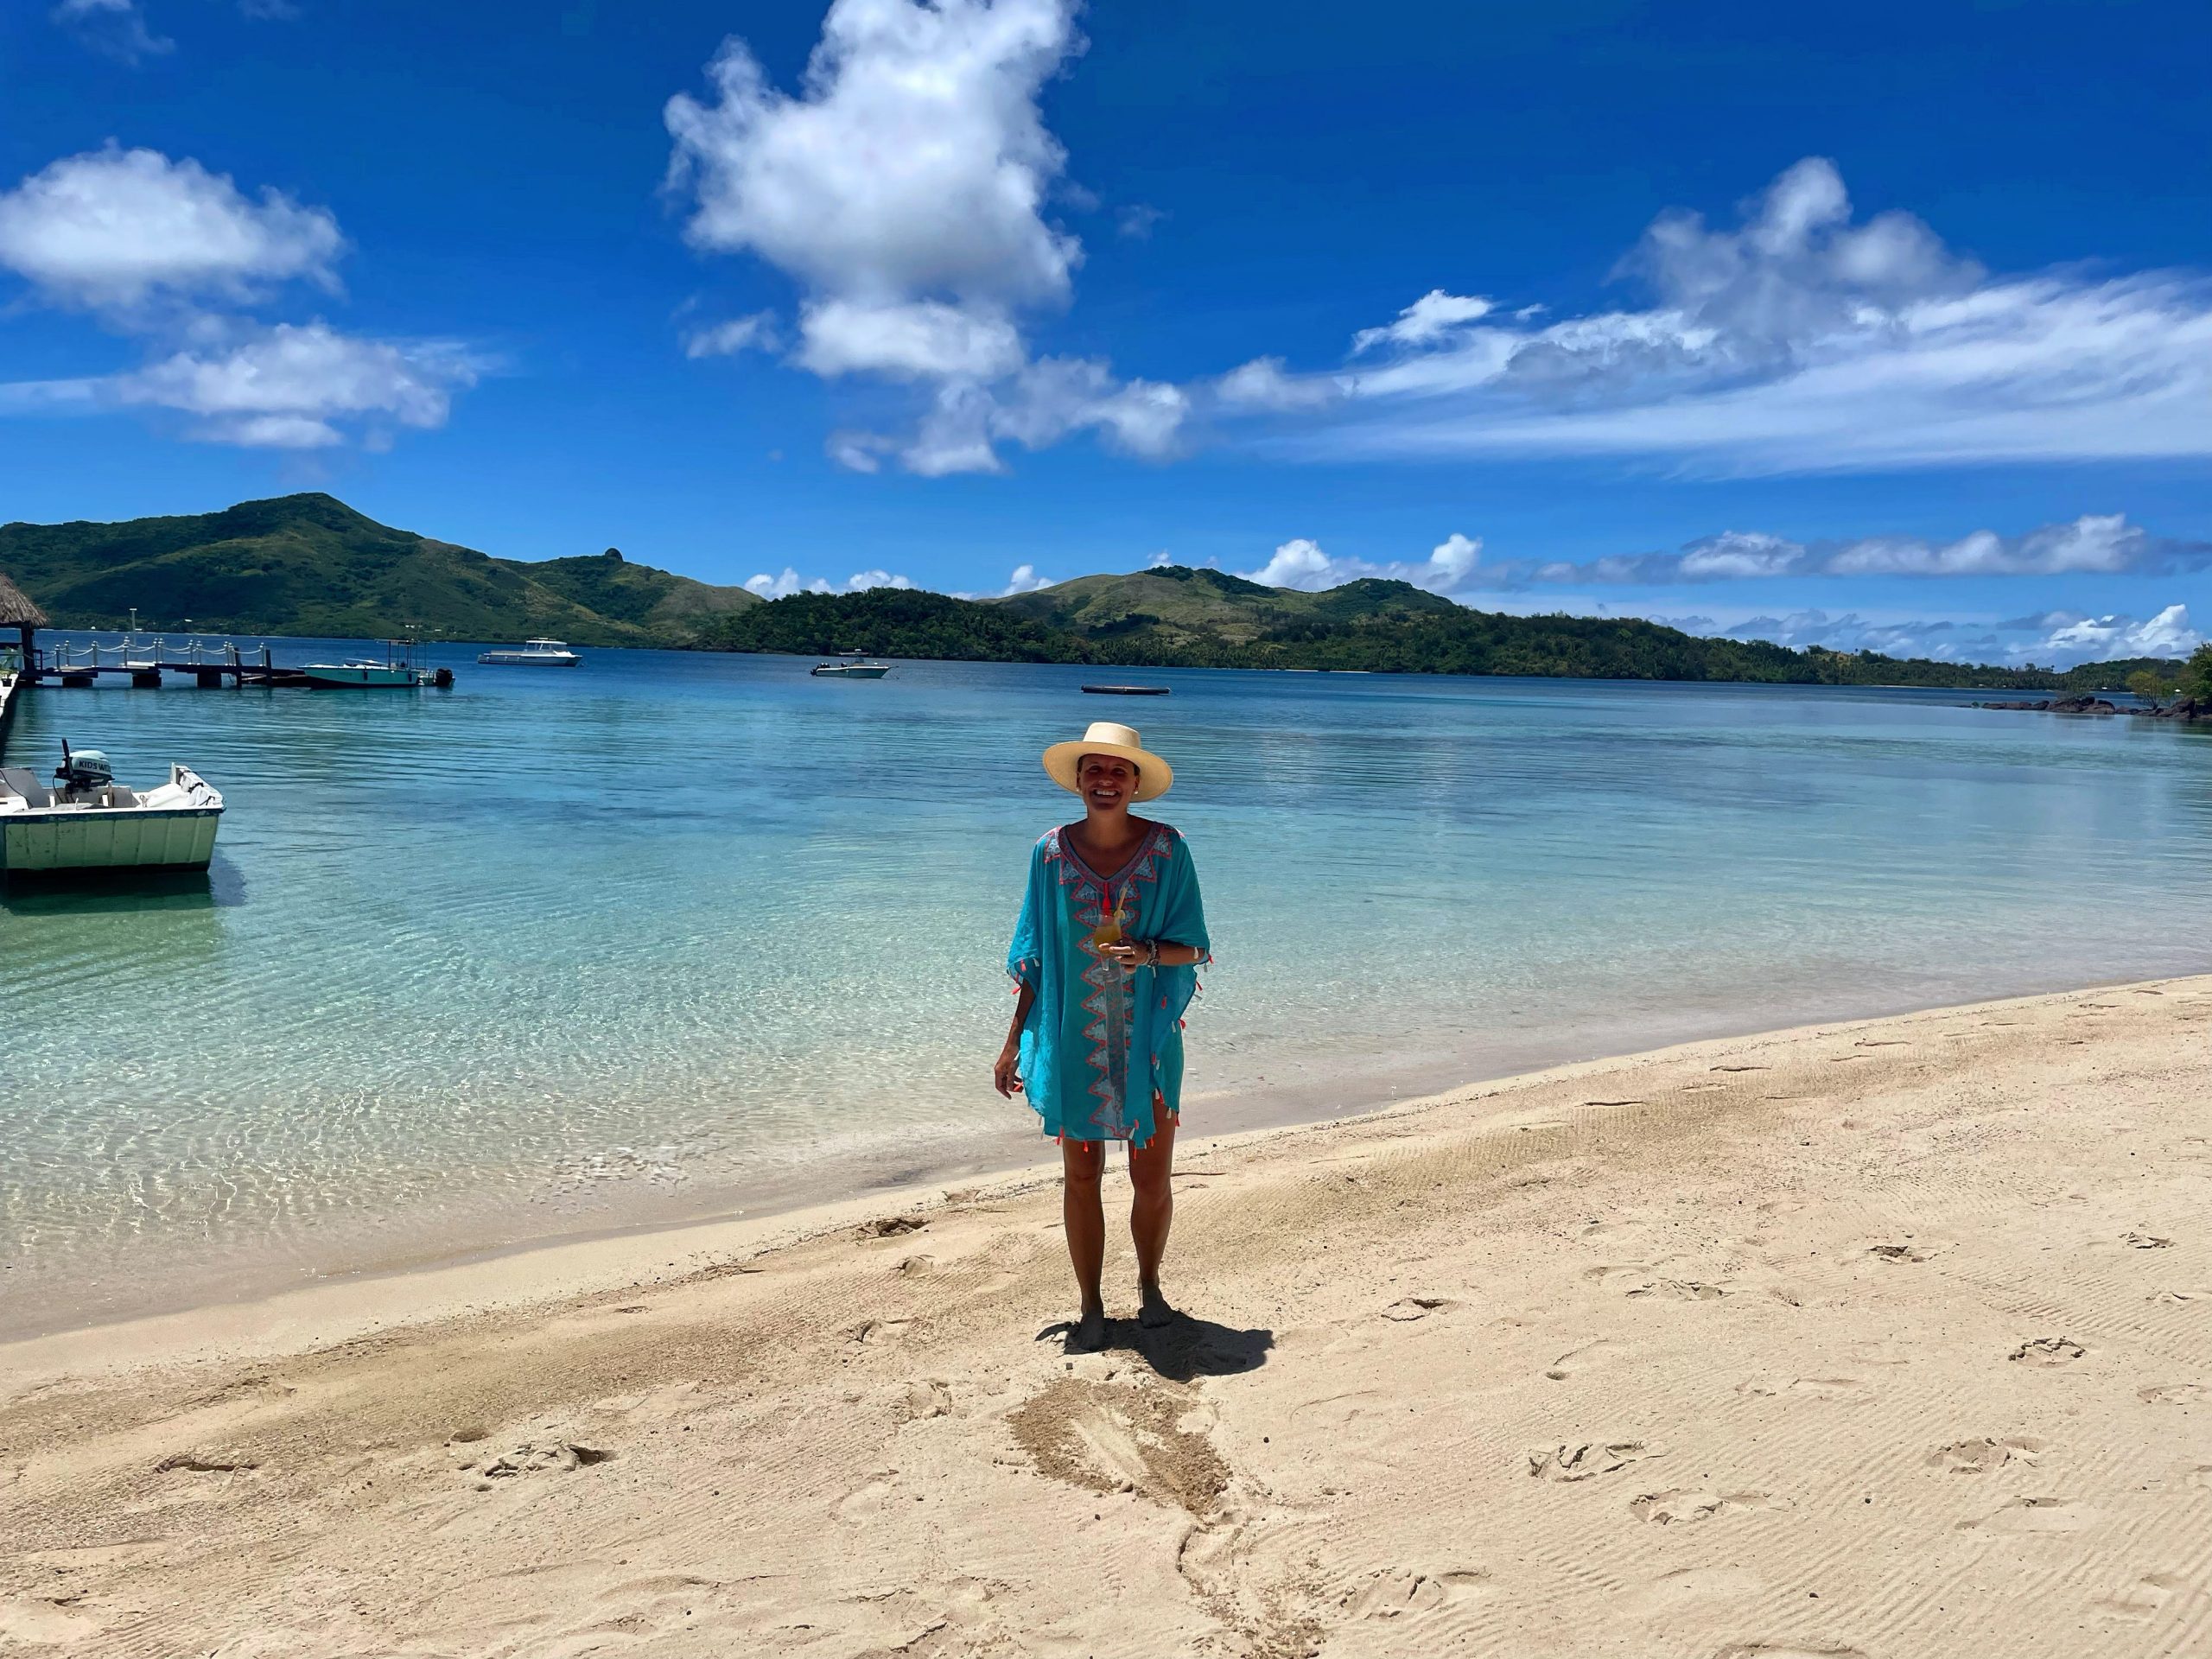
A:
<point x="1825" y="1340"/>
<point x="552" y="1268"/>
<point x="787" y="1195"/>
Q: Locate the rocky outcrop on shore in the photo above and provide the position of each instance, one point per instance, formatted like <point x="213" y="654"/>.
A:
<point x="2191" y="708"/>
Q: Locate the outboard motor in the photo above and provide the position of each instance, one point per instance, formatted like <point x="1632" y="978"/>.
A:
<point x="86" y="769"/>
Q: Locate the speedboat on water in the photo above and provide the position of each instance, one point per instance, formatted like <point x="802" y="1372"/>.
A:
<point x="533" y="653"/>
<point x="365" y="673"/>
<point x="88" y="823"/>
<point x="862" y="670"/>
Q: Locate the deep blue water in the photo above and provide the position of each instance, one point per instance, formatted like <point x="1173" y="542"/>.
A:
<point x="564" y="948"/>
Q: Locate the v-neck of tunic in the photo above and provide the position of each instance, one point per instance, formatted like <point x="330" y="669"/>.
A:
<point x="1143" y="846"/>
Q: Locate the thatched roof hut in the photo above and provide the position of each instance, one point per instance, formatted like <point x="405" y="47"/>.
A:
<point x="16" y="610"/>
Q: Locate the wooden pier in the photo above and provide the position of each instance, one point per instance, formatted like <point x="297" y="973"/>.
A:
<point x="146" y="665"/>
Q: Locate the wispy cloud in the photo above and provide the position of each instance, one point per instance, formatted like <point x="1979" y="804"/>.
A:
<point x="1802" y="340"/>
<point x="117" y="27"/>
<point x="2094" y="543"/>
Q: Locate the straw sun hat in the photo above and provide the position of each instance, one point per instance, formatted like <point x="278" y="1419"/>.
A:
<point x="1105" y="737"/>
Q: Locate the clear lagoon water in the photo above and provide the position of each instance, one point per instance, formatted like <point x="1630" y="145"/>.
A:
<point x="677" y="934"/>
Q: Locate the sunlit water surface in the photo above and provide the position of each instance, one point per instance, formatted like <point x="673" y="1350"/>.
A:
<point x="670" y="934"/>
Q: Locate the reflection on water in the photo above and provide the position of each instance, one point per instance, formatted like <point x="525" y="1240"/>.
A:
<point x="556" y="948"/>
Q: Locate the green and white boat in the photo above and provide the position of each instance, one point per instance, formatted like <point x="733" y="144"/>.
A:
<point x="87" y="824"/>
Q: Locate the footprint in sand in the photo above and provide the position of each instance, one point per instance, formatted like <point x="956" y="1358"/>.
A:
<point x="1586" y="1460"/>
<point x="2048" y="1350"/>
<point x="1665" y="1509"/>
<point x="1394" y="1592"/>
<point x="889" y="1227"/>
<point x="1981" y="1457"/>
<point x="1900" y="1252"/>
<point x="870" y="1332"/>
<point x="544" y="1454"/>
<point x="1575" y="1360"/>
<point x="1689" y="1586"/>
<point x="41" y="1622"/>
<point x="920" y="1401"/>
<point x="1407" y="1309"/>
<point x="2173" y="1394"/>
<point x="1108" y="1437"/>
<point x="2143" y="1601"/>
<point x="2146" y="1241"/>
<point x="1681" y="1290"/>
<point x="913" y="1267"/>
<point x="2037" y="1515"/>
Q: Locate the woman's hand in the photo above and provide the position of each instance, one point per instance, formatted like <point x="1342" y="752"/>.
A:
<point x="1006" y="1077"/>
<point x="1128" y="954"/>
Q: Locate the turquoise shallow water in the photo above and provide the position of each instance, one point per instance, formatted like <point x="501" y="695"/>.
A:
<point x="670" y="933"/>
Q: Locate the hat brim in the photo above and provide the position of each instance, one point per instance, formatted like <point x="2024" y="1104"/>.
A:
<point x="1155" y="776"/>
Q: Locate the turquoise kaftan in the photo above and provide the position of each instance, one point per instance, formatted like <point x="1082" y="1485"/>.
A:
<point x="1102" y="1050"/>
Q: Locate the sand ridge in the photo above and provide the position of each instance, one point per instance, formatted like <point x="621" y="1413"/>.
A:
<point x="1887" y="1339"/>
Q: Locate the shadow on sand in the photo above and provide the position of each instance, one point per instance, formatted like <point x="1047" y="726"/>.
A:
<point x="1186" y="1347"/>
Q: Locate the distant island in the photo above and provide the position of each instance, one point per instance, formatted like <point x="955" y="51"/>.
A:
<point x="309" y="564"/>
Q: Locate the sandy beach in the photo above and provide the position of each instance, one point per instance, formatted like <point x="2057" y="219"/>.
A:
<point x="1886" y="1339"/>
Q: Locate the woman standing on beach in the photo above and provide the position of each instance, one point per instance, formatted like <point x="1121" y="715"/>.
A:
<point x="1104" y="961"/>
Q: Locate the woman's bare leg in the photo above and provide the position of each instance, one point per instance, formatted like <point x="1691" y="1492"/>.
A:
<point x="1083" y="1163"/>
<point x="1151" y="1213"/>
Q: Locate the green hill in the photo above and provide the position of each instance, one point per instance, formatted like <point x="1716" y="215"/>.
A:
<point x="1177" y="617"/>
<point x="309" y="564"/>
<point x="1176" y="609"/>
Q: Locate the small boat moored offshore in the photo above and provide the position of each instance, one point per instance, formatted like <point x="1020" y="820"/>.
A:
<point x="89" y="824"/>
<point x="860" y="670"/>
<point x="396" y="671"/>
<point x="1127" y="690"/>
<point x="534" y="654"/>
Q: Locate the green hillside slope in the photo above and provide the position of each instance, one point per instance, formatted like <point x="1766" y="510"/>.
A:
<point x="309" y="564"/>
<point x="1175" y="617"/>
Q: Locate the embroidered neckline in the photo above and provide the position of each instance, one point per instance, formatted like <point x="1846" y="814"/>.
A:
<point x="1130" y="871"/>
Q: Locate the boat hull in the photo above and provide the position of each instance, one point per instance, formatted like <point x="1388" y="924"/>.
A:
<point x="54" y="844"/>
<point x="359" y="679"/>
<point x="524" y="660"/>
<point x="848" y="673"/>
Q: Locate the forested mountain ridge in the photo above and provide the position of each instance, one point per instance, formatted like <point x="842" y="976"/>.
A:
<point x="309" y="564"/>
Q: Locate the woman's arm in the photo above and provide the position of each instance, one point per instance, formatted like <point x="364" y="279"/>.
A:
<point x="1006" y="1074"/>
<point x="1137" y="953"/>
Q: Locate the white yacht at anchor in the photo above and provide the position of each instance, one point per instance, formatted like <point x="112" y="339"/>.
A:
<point x="532" y="654"/>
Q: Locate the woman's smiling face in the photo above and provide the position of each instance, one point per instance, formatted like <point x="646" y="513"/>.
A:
<point x="1105" y="781"/>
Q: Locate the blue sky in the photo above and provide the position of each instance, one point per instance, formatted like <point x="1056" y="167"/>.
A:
<point x="1876" y="324"/>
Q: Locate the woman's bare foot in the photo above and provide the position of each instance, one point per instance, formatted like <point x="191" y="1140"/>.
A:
<point x="1155" y="1311"/>
<point x="1087" y="1334"/>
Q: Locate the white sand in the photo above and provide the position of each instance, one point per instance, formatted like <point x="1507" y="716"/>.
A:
<point x="1891" y="1339"/>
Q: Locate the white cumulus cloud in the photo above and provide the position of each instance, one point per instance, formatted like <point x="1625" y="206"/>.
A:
<point x="109" y="229"/>
<point x="903" y="189"/>
<point x="168" y="252"/>
<point x="790" y="582"/>
<point x="2100" y="639"/>
<point x="1301" y="563"/>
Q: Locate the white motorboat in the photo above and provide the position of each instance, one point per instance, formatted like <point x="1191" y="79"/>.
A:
<point x="862" y="670"/>
<point x="87" y="823"/>
<point x="365" y="673"/>
<point x="534" y="654"/>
